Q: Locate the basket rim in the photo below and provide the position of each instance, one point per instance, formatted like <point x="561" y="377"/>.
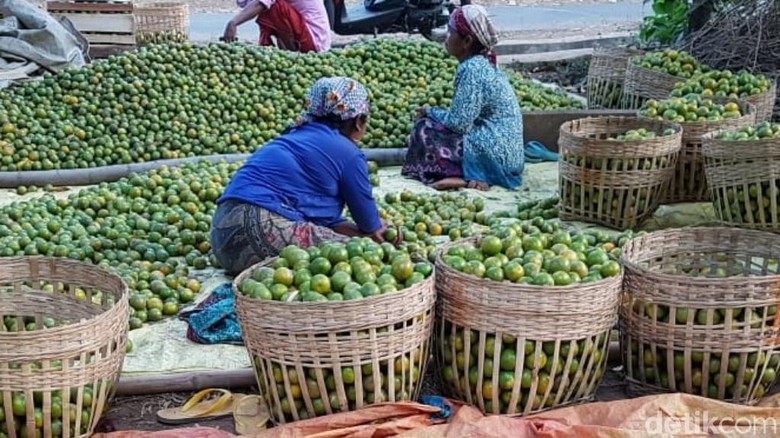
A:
<point x="712" y="136"/>
<point x="642" y="69"/>
<point x="380" y="299"/>
<point x="771" y="90"/>
<point x="715" y="148"/>
<point x="560" y="290"/>
<point x="751" y="111"/>
<point x="60" y="329"/>
<point x="160" y="5"/>
<point x="635" y="266"/>
<point x="565" y="128"/>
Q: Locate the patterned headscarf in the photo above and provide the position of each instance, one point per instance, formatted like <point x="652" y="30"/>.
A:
<point x="473" y="20"/>
<point x="340" y="97"/>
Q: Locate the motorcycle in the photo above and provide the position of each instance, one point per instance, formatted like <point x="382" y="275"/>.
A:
<point x="389" y="16"/>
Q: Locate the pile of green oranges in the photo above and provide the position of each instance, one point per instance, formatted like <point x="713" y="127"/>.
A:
<point x="523" y="253"/>
<point x="335" y="271"/>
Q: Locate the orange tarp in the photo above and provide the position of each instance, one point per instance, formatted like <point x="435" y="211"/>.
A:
<point x="672" y="415"/>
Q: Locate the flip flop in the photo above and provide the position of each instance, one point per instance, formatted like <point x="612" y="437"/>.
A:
<point x="250" y="415"/>
<point x="536" y="152"/>
<point x="196" y="409"/>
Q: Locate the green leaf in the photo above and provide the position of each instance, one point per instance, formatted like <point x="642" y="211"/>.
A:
<point x="664" y="6"/>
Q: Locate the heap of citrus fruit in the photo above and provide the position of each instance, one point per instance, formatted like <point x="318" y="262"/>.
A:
<point x="723" y="83"/>
<point x="402" y="372"/>
<point x="373" y="173"/>
<point x="23" y="190"/>
<point x="673" y="62"/>
<point x="586" y="358"/>
<point x="763" y="130"/>
<point x="690" y="109"/>
<point x="639" y="134"/>
<point x="421" y="218"/>
<point x="538" y="253"/>
<point x="544" y="208"/>
<point x="183" y="100"/>
<point x="538" y="212"/>
<point x="143" y="38"/>
<point x="150" y="228"/>
<point x="335" y="271"/>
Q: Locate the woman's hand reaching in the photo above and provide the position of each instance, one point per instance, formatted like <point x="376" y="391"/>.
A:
<point x="387" y="234"/>
<point x="383" y="234"/>
<point x="230" y="32"/>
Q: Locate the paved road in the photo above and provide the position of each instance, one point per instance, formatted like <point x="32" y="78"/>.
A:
<point x="205" y="27"/>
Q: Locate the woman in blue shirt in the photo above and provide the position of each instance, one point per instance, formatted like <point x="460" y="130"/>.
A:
<point x="293" y="190"/>
<point x="478" y="141"/>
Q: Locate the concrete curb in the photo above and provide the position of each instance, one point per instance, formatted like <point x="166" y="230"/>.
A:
<point x="523" y="47"/>
<point x="531" y="58"/>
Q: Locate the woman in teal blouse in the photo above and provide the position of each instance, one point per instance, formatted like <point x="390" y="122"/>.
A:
<point x="478" y="141"/>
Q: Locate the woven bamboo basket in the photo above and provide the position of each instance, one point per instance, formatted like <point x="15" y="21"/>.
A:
<point x="764" y="103"/>
<point x="62" y="345"/>
<point x="515" y="349"/>
<point x="607" y="75"/>
<point x="744" y="180"/>
<point x="643" y="84"/>
<point x="162" y="22"/>
<point x="614" y="183"/>
<point x="699" y="313"/>
<point x="688" y="182"/>
<point x="315" y="359"/>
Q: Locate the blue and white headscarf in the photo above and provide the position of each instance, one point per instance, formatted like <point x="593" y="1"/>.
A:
<point x="336" y="97"/>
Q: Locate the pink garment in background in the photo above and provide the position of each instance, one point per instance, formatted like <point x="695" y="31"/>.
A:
<point x="313" y="12"/>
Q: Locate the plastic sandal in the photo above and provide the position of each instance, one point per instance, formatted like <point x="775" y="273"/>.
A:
<point x="250" y="415"/>
<point x="196" y="409"/>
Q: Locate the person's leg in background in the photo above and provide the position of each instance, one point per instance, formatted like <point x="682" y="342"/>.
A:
<point x="286" y="24"/>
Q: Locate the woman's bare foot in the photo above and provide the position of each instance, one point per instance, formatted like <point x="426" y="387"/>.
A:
<point x="478" y="185"/>
<point x="459" y="183"/>
<point x="449" y="184"/>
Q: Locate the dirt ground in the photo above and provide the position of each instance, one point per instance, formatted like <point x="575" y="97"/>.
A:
<point x="230" y="5"/>
<point x="139" y="412"/>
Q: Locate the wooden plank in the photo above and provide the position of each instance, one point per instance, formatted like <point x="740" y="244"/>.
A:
<point x="110" y="38"/>
<point x="88" y="7"/>
<point x="104" y="51"/>
<point x="191" y="381"/>
<point x="103" y="1"/>
<point x="103" y="23"/>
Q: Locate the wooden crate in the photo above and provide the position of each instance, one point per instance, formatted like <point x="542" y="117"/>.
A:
<point x="108" y="26"/>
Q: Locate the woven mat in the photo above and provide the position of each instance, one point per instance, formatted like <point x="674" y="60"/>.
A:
<point x="163" y="348"/>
